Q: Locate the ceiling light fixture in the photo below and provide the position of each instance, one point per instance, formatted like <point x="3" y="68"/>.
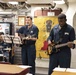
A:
<point x="59" y="1"/>
<point x="13" y="2"/>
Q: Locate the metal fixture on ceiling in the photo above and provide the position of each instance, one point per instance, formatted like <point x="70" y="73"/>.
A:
<point x="20" y="5"/>
<point x="14" y="7"/>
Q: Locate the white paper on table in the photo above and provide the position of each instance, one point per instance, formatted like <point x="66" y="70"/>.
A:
<point x="22" y="66"/>
<point x="70" y="70"/>
<point x="59" y="69"/>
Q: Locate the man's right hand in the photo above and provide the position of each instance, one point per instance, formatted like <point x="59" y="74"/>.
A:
<point x="49" y="42"/>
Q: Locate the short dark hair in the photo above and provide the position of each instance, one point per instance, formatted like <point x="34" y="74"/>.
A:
<point x="29" y="17"/>
<point x="1" y="33"/>
<point x="61" y="16"/>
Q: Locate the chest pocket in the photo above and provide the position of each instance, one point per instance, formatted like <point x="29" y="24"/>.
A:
<point x="66" y="35"/>
<point x="29" y="31"/>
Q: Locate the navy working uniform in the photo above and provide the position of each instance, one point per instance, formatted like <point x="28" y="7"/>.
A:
<point x="28" y="48"/>
<point x="63" y="57"/>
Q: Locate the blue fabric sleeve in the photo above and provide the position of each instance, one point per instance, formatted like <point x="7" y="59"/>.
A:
<point x="36" y="32"/>
<point x="21" y="30"/>
<point x="72" y="36"/>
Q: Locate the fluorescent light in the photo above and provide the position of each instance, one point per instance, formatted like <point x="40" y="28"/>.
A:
<point x="3" y="13"/>
<point x="13" y="2"/>
<point x="59" y="1"/>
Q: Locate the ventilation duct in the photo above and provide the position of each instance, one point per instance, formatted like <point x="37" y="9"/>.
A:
<point x="6" y="14"/>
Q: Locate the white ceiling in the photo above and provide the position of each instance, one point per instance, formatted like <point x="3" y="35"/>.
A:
<point x="71" y="0"/>
<point x="33" y="0"/>
<point x="12" y="0"/>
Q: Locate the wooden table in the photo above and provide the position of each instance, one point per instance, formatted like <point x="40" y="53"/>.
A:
<point x="8" y="69"/>
<point x="63" y="73"/>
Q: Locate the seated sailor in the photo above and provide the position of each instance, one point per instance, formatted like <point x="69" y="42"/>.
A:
<point x="3" y="45"/>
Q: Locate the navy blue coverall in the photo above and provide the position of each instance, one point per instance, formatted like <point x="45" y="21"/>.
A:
<point x="28" y="48"/>
<point x="63" y="57"/>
